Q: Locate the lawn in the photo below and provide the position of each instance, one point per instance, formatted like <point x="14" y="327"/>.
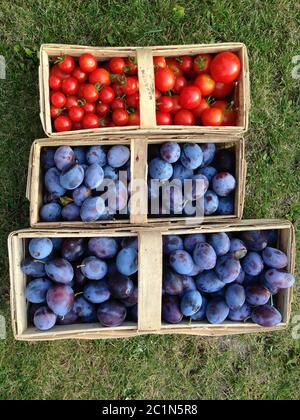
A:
<point x="255" y="367"/>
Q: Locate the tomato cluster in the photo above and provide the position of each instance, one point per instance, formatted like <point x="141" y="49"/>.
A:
<point x="196" y="90"/>
<point x="85" y="95"/>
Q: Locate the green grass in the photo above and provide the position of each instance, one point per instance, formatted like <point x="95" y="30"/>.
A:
<point x="255" y="367"/>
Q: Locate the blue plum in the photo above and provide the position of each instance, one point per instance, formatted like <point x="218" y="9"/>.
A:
<point x="131" y="300"/>
<point x="33" y="268"/>
<point x="226" y="206"/>
<point x="72" y="249"/>
<point x="36" y="290"/>
<point x="44" y="319"/>
<point x="118" y="156"/>
<point x="220" y="243"/>
<point x="274" y="258"/>
<point x="94" y="176"/>
<point x="57" y="243"/>
<point x="280" y="279"/>
<point x="242" y="314"/>
<point x="111" y="173"/>
<point x="93" y="268"/>
<point x="171" y="312"/>
<point x="241" y="277"/>
<point x="191" y="156"/>
<point x="208" y="171"/>
<point x="85" y="310"/>
<point x="80" y="155"/>
<point x="208" y="151"/>
<point x="170" y="152"/>
<point x="172" y="283"/>
<point x="47" y="157"/>
<point x="266" y="316"/>
<point x="92" y="209"/>
<point x="211" y="203"/>
<point x="191" y="303"/>
<point x="237" y="248"/>
<point x="217" y="311"/>
<point x="181" y="173"/>
<point x="72" y="177"/>
<point x="40" y="248"/>
<point x="205" y="256"/>
<point x="253" y="264"/>
<point x="209" y="282"/>
<point x="160" y="169"/>
<point x="60" y="299"/>
<point x="52" y="183"/>
<point x="111" y="313"/>
<point x="196" y="187"/>
<point x="257" y="295"/>
<point x="96" y="154"/>
<point x="70" y="212"/>
<point x="96" y="292"/>
<point x="190" y="241"/>
<point x="188" y="284"/>
<point x="235" y="297"/>
<point x="64" y="157"/>
<point x="80" y="194"/>
<point x="118" y="196"/>
<point x="104" y="248"/>
<point x="255" y="240"/>
<point x="60" y="271"/>
<point x="223" y="184"/>
<point x="121" y="287"/>
<point x="50" y="212"/>
<point x="201" y="314"/>
<point x="172" y="243"/>
<point x="127" y="261"/>
<point x="181" y="262"/>
<point x="130" y="242"/>
<point x="69" y="319"/>
<point x="228" y="268"/>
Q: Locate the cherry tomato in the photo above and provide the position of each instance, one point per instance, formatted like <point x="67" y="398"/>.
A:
<point x="180" y="83"/>
<point x="157" y="94"/>
<point x="106" y="95"/>
<point x="165" y="104"/>
<point x="184" y="117"/>
<point x="225" y="67"/>
<point x="76" y="113"/>
<point x="205" y="83"/>
<point x="55" y="112"/>
<point x="200" y="108"/>
<point x="159" y="62"/>
<point x="88" y="63"/>
<point x="58" y="99"/>
<point x="100" y="76"/>
<point x="71" y="101"/>
<point x="222" y="90"/>
<point x="190" y="97"/>
<point x="133" y="100"/>
<point x="163" y="118"/>
<point x="117" y="65"/>
<point x="77" y="125"/>
<point x="89" y="108"/>
<point x="66" y="63"/>
<point x="106" y="122"/>
<point x="56" y="71"/>
<point x="70" y="86"/>
<point x="202" y="63"/>
<point x="176" y="104"/>
<point x="164" y="79"/>
<point x="117" y="103"/>
<point x="130" y="86"/>
<point x="120" y="117"/>
<point x="117" y="89"/>
<point x="212" y="117"/>
<point x="80" y="75"/>
<point x="229" y="112"/>
<point x="63" y="123"/>
<point x="185" y="62"/>
<point x="55" y="82"/>
<point x="174" y="65"/>
<point x="90" y="121"/>
<point x="131" y="67"/>
<point x="90" y="93"/>
<point x="134" y="118"/>
<point x="102" y="109"/>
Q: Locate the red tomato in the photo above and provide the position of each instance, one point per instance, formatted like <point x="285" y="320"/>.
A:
<point x="157" y="94"/>
<point x="100" y="76"/>
<point x="90" y="93"/>
<point x="102" y="109"/>
<point x="229" y="112"/>
<point x="90" y="121"/>
<point x="212" y="117"/>
<point x="130" y="86"/>
<point x="200" y="108"/>
<point x="120" y="117"/>
<point x="62" y="123"/>
<point x="106" y="122"/>
<point x="117" y="65"/>
<point x="163" y="118"/>
<point x="202" y="63"/>
<point x="89" y="108"/>
<point x="77" y="125"/>
<point x="185" y="62"/>
<point x="117" y="89"/>
<point x="80" y="75"/>
<point x="131" y="67"/>
<point x="133" y="100"/>
<point x="56" y="71"/>
<point x="225" y="67"/>
<point x="222" y="90"/>
<point x="176" y="104"/>
<point x="71" y="101"/>
<point x="70" y="86"/>
<point x="159" y="62"/>
<point x="66" y="64"/>
<point x="117" y="103"/>
<point x="180" y="83"/>
<point x="58" y="99"/>
<point x="205" y="83"/>
<point x="164" y="79"/>
<point x="165" y="104"/>
<point x="190" y="97"/>
<point x="134" y="118"/>
<point x="55" y="82"/>
<point x="88" y="63"/>
<point x="173" y="65"/>
<point x="76" y="113"/>
<point x="184" y="117"/>
<point x="55" y="112"/>
<point x="106" y="95"/>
